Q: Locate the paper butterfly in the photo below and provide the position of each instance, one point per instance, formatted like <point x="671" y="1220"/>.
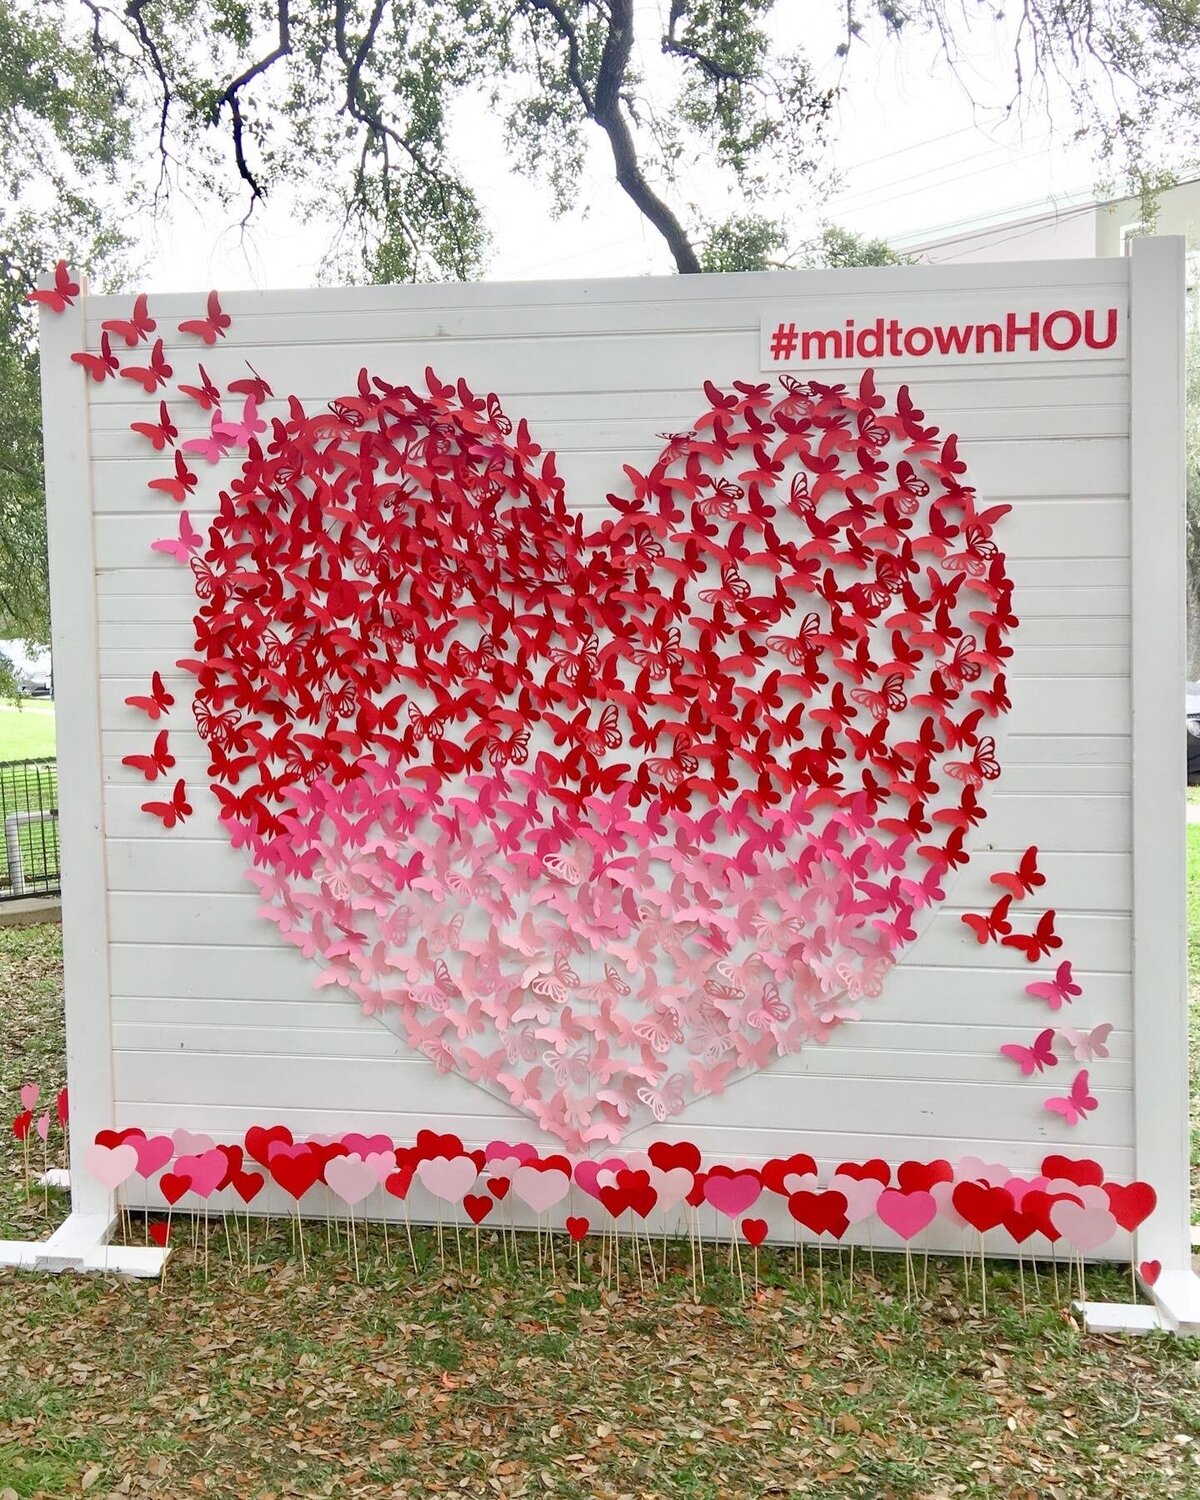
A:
<point x="992" y="927"/>
<point x="182" y="546"/>
<point x="1037" y="944"/>
<point x="1058" y="991"/>
<point x="1088" y="1044"/>
<point x="1036" y="1058"/>
<point x="174" y="811"/>
<point x="135" y="328"/>
<point x="159" y="760"/>
<point x="63" y="293"/>
<point x="159" y="701"/>
<point x="1021" y="882"/>
<point x="1078" y="1104"/>
<point x="211" y="328"/>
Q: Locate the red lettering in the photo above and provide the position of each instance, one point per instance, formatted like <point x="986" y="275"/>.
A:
<point x="911" y="337"/>
<point x="893" y="332"/>
<point x="984" y="330"/>
<point x="1074" y="329"/>
<point x="1089" y="330"/>
<point x="1014" y="330"/>
<point x="955" y="339"/>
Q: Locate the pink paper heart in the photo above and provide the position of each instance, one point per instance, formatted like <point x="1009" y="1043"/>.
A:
<point x="1085" y="1229"/>
<point x="540" y="1191"/>
<point x="206" y="1170"/>
<point x="189" y="1144"/>
<point x="111" y="1165"/>
<point x="672" y="1185"/>
<point x="732" y="1196"/>
<point x="449" y="1178"/>
<point x="367" y="1145"/>
<point x="30" y="1094"/>
<point x="906" y="1213"/>
<point x="352" y="1178"/>
<point x="382" y="1163"/>
<point x="519" y="1152"/>
<point x="153" y="1153"/>
<point x="861" y="1195"/>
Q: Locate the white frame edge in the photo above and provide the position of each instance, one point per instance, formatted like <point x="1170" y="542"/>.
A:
<point x="1159" y="847"/>
<point x="80" y="1243"/>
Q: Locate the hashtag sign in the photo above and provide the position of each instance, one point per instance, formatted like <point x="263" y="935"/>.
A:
<point x="784" y="341"/>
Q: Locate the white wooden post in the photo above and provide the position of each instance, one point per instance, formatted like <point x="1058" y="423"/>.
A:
<point x="81" y="1242"/>
<point x="1160" y="997"/>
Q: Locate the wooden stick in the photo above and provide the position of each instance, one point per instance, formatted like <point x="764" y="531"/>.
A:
<point x="300" y="1229"/>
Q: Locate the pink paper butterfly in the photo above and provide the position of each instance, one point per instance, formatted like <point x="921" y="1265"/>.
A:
<point x="665" y="1100"/>
<point x="1058" y="991"/>
<point x="1088" y="1044"/>
<point x="1078" y="1104"/>
<point x="1036" y="1058"/>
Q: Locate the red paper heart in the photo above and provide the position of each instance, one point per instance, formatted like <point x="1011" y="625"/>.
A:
<point x="1080" y="1170"/>
<point x="248" y="1185"/>
<point x="667" y="1155"/>
<point x="259" y="1141"/>
<point x="920" y="1176"/>
<point x="159" y="1233"/>
<point x="173" y="1186"/>
<point x="499" y="1186"/>
<point x="478" y="1206"/>
<point x="112" y="1138"/>
<point x="774" y="1171"/>
<point x="1131" y="1204"/>
<point x="399" y="590"/>
<point x="1150" y="1271"/>
<point x="294" y="1168"/>
<point x="981" y="1206"/>
<point x="822" y="1213"/>
<point x="577" y="1227"/>
<point x="637" y="1192"/>
<point x="755" y="1230"/>
<point x="233" y="1156"/>
<point x="875" y="1169"/>
<point x="398" y="1183"/>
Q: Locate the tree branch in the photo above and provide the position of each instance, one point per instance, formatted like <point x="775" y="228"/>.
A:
<point x="229" y="96"/>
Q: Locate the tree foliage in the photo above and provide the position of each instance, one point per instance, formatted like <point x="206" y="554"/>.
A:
<point x="62" y="136"/>
<point x="696" y="101"/>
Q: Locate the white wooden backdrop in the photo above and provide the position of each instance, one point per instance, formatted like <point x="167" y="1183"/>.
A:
<point x="187" y="1009"/>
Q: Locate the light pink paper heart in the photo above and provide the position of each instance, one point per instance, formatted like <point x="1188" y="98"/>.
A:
<point x="188" y="1144"/>
<point x="449" y="1178"/>
<point x="1085" y="1229"/>
<point x="30" y="1093"/>
<point x="351" y="1178"/>
<point x="111" y="1165"/>
<point x="540" y="1191"/>
<point x="672" y="1185"/>
<point x="861" y="1195"/>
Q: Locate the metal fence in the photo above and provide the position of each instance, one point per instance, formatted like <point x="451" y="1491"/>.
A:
<point x="29" y="810"/>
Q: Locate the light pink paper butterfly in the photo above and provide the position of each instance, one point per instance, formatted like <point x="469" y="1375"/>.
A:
<point x="1078" y="1104"/>
<point x="1059" y="991"/>
<point x="1088" y="1044"/>
<point x="181" y="547"/>
<point x="1033" y="1059"/>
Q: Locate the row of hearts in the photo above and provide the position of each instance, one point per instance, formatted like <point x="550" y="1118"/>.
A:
<point x="1069" y="1198"/>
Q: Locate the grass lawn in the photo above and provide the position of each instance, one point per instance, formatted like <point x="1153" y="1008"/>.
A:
<point x="261" y="1383"/>
<point x="27" y="731"/>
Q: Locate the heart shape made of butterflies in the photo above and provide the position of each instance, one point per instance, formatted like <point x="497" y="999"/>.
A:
<point x="602" y="816"/>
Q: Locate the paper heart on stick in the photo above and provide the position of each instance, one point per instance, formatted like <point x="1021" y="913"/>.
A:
<point x="603" y="818"/>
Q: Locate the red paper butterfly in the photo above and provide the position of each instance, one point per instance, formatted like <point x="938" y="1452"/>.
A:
<point x="178" y="485"/>
<point x="99" y="366"/>
<point x="160" y="760"/>
<point x="174" y="811"/>
<point x="1037" y="944"/>
<point x="994" y="926"/>
<point x="159" y="433"/>
<point x="159" y="701"/>
<point x="61" y="295"/>
<point x="983" y="765"/>
<point x="1021" y="882"/>
<point x="150" y="376"/>
<point x="140" y="325"/>
<point x="211" y="328"/>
